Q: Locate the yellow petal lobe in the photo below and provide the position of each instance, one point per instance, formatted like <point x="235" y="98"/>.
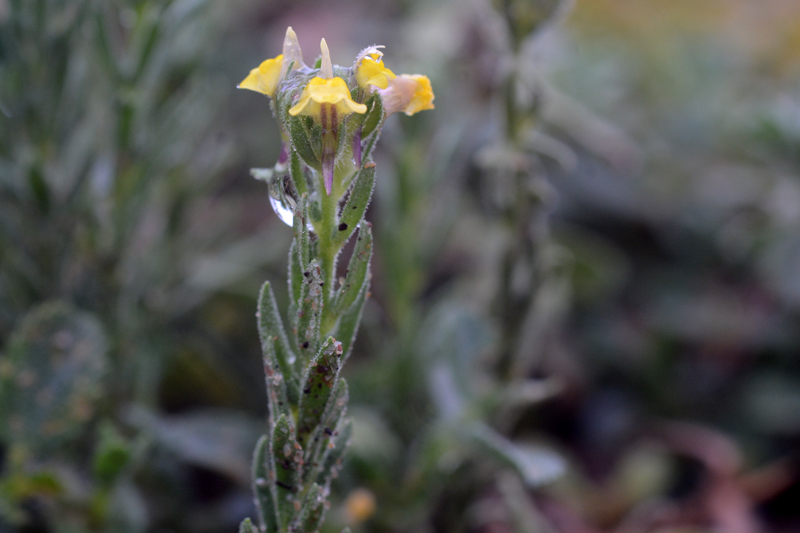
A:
<point x="264" y="78"/>
<point x="321" y="91"/>
<point x="422" y="98"/>
<point x="372" y="72"/>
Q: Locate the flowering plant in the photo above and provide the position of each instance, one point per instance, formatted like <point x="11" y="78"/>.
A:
<point x="330" y="118"/>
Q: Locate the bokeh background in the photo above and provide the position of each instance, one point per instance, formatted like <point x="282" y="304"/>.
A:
<point x="640" y="373"/>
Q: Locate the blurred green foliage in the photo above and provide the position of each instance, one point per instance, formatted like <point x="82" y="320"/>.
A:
<point x="641" y="322"/>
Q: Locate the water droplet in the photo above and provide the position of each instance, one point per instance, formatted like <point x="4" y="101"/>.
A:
<point x="283" y="212"/>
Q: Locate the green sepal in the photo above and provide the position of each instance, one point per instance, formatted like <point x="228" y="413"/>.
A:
<point x="374" y="116"/>
<point x="315" y="135"/>
<point x="312" y="511"/>
<point x="297" y="173"/>
<point x="288" y="456"/>
<point x="264" y="485"/>
<point x="319" y="382"/>
<point x="347" y="326"/>
<point x="274" y="342"/>
<point x="357" y="270"/>
<point x="357" y="203"/>
<point x="333" y="460"/>
<point x="247" y="527"/>
<point x="309" y="314"/>
<point x="301" y="141"/>
<point x="321" y="438"/>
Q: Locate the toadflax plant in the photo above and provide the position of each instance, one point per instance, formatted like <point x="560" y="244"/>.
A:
<point x="330" y="118"/>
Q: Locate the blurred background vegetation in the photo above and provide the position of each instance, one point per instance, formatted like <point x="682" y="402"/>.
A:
<point x="586" y="284"/>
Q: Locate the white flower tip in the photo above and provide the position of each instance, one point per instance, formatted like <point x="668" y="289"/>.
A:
<point x="292" y="54"/>
<point x="326" y="69"/>
<point x="368" y="51"/>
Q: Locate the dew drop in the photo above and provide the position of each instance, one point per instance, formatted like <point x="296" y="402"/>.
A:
<point x="283" y="212"/>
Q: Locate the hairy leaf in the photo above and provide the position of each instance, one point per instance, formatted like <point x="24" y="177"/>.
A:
<point x="310" y="311"/>
<point x="264" y="485"/>
<point x="357" y="270"/>
<point x="357" y="203"/>
<point x="274" y="342"/>
<point x="288" y="456"/>
<point x="318" y="385"/>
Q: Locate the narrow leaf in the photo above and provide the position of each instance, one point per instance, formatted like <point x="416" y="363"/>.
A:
<point x="336" y="449"/>
<point x="319" y="382"/>
<point x="301" y="141"/>
<point x="278" y="384"/>
<point x="323" y="434"/>
<point x="302" y="238"/>
<point x="357" y="270"/>
<point x="297" y="174"/>
<point x="347" y="326"/>
<point x="357" y="203"/>
<point x="307" y="321"/>
<point x="374" y="116"/>
<point x="312" y="511"/>
<point x="288" y="456"/>
<point x="264" y="485"/>
<point x="295" y="280"/>
<point x="272" y="332"/>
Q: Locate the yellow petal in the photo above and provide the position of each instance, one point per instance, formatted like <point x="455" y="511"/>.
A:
<point x="321" y="91"/>
<point x="407" y="93"/>
<point x="423" y="95"/>
<point x="264" y="79"/>
<point x="372" y="72"/>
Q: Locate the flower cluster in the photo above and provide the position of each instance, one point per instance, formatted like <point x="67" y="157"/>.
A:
<point x="330" y="116"/>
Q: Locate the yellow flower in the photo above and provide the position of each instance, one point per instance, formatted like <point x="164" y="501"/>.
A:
<point x="409" y="93"/>
<point x="264" y="78"/>
<point x="370" y="71"/>
<point x="326" y="99"/>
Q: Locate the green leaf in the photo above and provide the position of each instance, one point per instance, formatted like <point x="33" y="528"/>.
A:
<point x="322" y="436"/>
<point x="288" y="456"/>
<point x="312" y="511"/>
<point x="347" y="326"/>
<point x="374" y="116"/>
<point x="333" y="460"/>
<point x="357" y="203"/>
<point x="297" y="173"/>
<point x="310" y="312"/>
<point x="264" y="485"/>
<point x="535" y="465"/>
<point x="278" y="383"/>
<point x="302" y="237"/>
<point x="357" y="270"/>
<point x="319" y="382"/>
<point x="301" y="142"/>
<point x="272" y="334"/>
<point x="295" y="280"/>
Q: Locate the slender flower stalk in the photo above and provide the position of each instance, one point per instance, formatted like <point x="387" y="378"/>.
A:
<point x="330" y="119"/>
